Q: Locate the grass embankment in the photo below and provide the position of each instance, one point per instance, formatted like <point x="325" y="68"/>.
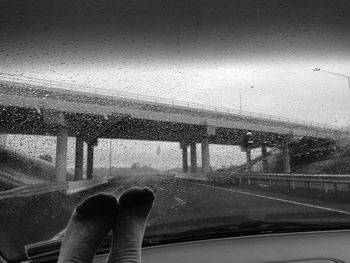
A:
<point x="25" y="164"/>
<point x="338" y="162"/>
<point x="339" y="165"/>
<point x="21" y="169"/>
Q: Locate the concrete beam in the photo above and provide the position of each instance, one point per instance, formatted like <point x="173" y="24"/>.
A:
<point x="184" y="158"/>
<point x="249" y="160"/>
<point x="114" y="119"/>
<point x="64" y="106"/>
<point x="53" y="117"/>
<point x="90" y="161"/>
<point x="286" y="159"/>
<point x="205" y="156"/>
<point x="61" y="155"/>
<point x="193" y="157"/>
<point x="3" y="139"/>
<point x="211" y="130"/>
<point x="79" y="159"/>
<point x="265" y="164"/>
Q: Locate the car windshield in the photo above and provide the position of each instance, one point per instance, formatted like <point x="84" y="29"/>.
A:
<point x="235" y="113"/>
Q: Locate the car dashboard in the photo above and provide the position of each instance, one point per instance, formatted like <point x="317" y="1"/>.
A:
<point x="309" y="247"/>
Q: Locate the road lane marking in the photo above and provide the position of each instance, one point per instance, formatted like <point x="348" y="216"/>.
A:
<point x="276" y="199"/>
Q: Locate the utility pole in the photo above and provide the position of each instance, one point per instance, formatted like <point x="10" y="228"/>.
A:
<point x="240" y="98"/>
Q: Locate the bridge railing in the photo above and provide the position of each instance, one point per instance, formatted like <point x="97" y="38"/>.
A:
<point x="64" y="86"/>
<point x="325" y="180"/>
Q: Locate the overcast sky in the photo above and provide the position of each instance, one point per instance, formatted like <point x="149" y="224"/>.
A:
<point x="200" y="51"/>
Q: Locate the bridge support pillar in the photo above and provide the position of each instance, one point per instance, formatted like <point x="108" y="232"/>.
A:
<point x="249" y="160"/>
<point x="286" y="159"/>
<point x="205" y="156"/>
<point x="90" y="159"/>
<point x="265" y="165"/>
<point x="79" y="159"/>
<point x="3" y="139"/>
<point x="193" y="157"/>
<point x="183" y="146"/>
<point x="61" y="155"/>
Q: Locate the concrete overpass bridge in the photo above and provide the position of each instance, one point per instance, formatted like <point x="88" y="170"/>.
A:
<point x="40" y="107"/>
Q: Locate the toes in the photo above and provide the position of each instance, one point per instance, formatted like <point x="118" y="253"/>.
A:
<point x="136" y="196"/>
<point x="103" y="203"/>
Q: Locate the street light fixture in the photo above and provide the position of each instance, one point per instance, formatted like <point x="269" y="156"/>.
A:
<point x="240" y="99"/>
<point x="334" y="73"/>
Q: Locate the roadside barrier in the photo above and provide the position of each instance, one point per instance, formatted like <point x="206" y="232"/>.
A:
<point x="31" y="190"/>
<point x="69" y="187"/>
<point x="292" y="179"/>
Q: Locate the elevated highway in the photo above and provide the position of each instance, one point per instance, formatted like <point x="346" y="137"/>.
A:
<point x="40" y="107"/>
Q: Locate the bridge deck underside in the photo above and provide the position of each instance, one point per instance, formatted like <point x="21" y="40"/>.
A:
<point x="83" y="99"/>
<point x="18" y="120"/>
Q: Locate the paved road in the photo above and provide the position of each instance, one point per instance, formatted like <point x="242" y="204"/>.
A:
<point x="195" y="204"/>
<point x="180" y="205"/>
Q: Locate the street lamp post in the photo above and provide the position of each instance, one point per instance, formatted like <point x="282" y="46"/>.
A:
<point x="334" y="73"/>
<point x="240" y="99"/>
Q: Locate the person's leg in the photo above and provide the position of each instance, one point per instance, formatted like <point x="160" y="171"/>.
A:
<point x="129" y="226"/>
<point x="89" y="224"/>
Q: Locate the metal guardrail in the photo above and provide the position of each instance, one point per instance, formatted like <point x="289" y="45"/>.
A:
<point x="25" y="191"/>
<point x="152" y="99"/>
<point x="69" y="187"/>
<point x="291" y="179"/>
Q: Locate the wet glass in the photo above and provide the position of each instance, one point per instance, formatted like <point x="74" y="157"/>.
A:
<point x="235" y="113"/>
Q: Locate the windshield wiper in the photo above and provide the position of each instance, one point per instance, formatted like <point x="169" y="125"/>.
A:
<point x="243" y="229"/>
